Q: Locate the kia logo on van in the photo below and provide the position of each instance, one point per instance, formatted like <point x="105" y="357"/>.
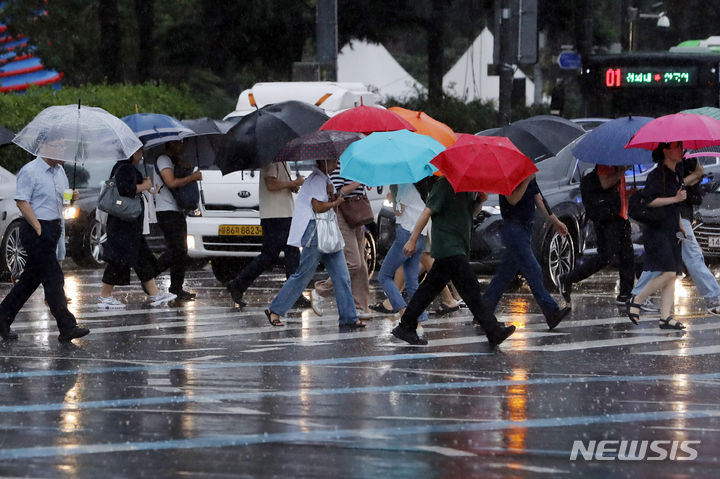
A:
<point x="244" y="194"/>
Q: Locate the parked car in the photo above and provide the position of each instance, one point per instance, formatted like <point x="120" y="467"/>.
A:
<point x="13" y="254"/>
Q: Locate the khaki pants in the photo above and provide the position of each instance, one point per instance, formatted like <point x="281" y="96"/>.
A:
<point x="355" y="258"/>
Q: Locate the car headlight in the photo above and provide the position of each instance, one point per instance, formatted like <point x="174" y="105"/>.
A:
<point x="71" y="212"/>
<point x="190" y="242"/>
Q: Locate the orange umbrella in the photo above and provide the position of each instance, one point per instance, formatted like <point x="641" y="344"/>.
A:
<point x="427" y="125"/>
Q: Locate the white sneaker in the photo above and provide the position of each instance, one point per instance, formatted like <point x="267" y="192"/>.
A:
<point x="419" y="331"/>
<point x="109" y="303"/>
<point x="316" y="302"/>
<point x="161" y="298"/>
<point x="649" y="307"/>
<point x="364" y="314"/>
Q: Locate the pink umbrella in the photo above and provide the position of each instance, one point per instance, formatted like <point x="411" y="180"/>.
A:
<point x="695" y="131"/>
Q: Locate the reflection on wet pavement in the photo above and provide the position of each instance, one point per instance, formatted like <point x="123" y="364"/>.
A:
<point x="202" y="388"/>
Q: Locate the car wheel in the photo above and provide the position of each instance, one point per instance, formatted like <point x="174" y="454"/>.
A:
<point x="14" y="255"/>
<point x="558" y="256"/>
<point x="370" y="253"/>
<point x="226" y="269"/>
<point x="88" y="250"/>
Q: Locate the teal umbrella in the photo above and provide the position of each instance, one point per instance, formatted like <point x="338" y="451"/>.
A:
<point x="390" y="157"/>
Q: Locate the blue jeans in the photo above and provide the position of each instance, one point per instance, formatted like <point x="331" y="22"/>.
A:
<point x="519" y="257"/>
<point x="694" y="261"/>
<point x="309" y="260"/>
<point x="411" y="267"/>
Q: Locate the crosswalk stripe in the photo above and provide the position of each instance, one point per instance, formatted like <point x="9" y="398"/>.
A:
<point x="615" y="342"/>
<point x="689" y="351"/>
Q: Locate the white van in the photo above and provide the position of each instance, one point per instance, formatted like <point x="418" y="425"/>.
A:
<point x="226" y="228"/>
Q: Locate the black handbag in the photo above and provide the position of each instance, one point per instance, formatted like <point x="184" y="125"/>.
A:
<point x="639" y="210"/>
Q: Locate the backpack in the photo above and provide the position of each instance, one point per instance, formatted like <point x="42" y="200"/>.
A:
<point x="187" y="197"/>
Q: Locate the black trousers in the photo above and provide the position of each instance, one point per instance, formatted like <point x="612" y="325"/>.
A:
<point x="174" y="228"/>
<point x="41" y="268"/>
<point x="274" y="240"/>
<point x="614" y="244"/>
<point x="456" y="269"/>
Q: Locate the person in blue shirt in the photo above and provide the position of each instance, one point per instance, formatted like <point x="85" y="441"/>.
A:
<point x="518" y="213"/>
<point x="38" y="195"/>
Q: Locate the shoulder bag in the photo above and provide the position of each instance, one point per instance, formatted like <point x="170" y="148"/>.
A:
<point x="357" y="211"/>
<point x="123" y="207"/>
<point x="639" y="210"/>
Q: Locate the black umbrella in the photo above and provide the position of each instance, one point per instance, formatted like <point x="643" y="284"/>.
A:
<point x="539" y="137"/>
<point x="259" y="136"/>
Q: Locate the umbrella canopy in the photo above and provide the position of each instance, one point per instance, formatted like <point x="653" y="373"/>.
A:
<point x="203" y="126"/>
<point x="367" y="119"/>
<point x="319" y="145"/>
<point x="258" y="137"/>
<point x="710" y="111"/>
<point x="605" y="145"/>
<point x="539" y="137"/>
<point x="6" y="136"/>
<point x="391" y="157"/>
<point x="490" y="164"/>
<point x="427" y="125"/>
<point x="78" y="133"/>
<point x="695" y="131"/>
<point x="156" y="128"/>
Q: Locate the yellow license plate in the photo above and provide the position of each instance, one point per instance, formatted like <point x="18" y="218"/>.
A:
<point x="240" y="230"/>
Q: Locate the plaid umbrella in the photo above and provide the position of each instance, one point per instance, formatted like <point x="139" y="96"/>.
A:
<point x="319" y="145"/>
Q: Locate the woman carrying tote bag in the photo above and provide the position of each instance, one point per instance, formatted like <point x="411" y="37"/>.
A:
<point x="352" y="214"/>
<point x="312" y="200"/>
<point x="126" y="246"/>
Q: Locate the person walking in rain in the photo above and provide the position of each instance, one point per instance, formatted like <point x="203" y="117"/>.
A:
<point x="276" y="211"/>
<point x="314" y="198"/>
<point x="354" y="252"/>
<point x="39" y="197"/>
<point x="518" y="213"/>
<point x="452" y="215"/>
<point x="126" y="246"/>
<point x="604" y="197"/>
<point x="692" y="255"/>
<point x="171" y="218"/>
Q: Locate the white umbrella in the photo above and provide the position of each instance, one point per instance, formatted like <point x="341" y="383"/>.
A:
<point x="78" y="133"/>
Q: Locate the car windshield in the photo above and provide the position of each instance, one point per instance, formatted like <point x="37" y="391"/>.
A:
<point x="88" y="175"/>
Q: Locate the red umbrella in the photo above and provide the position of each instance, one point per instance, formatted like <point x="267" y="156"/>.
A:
<point x="491" y="164"/>
<point x="695" y="131"/>
<point x="367" y="119"/>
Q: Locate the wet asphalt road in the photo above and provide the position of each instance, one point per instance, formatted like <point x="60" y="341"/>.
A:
<point x="202" y="389"/>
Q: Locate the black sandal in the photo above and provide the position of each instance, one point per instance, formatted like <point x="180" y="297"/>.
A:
<point x="274" y="321"/>
<point x="379" y="307"/>
<point x="629" y="305"/>
<point x="445" y="309"/>
<point x="671" y="323"/>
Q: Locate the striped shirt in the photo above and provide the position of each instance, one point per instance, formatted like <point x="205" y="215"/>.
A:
<point x="338" y="182"/>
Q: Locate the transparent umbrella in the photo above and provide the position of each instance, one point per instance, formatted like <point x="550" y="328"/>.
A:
<point x="78" y="133"/>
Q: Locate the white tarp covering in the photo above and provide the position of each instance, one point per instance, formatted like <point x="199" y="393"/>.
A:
<point x="468" y="79"/>
<point x="374" y="66"/>
<point x="331" y="96"/>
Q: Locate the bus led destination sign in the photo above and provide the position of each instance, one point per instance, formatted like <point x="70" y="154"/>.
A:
<point x="650" y="77"/>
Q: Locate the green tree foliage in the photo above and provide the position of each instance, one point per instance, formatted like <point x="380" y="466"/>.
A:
<point x="120" y="100"/>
